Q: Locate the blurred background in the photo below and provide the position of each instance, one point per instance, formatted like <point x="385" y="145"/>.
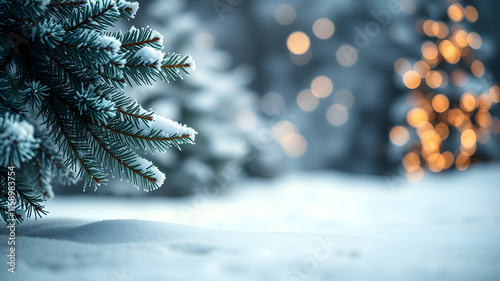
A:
<point x="387" y="87"/>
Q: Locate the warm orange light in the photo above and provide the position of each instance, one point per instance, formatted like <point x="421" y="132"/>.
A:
<point x="298" y="43"/>
<point x="483" y="118"/>
<point x="461" y="38"/>
<point x="474" y="40"/>
<point x="477" y="68"/>
<point x="456" y="117"/>
<point x="411" y="162"/>
<point x="495" y="94"/>
<point x="428" y="27"/>
<point x="449" y="158"/>
<point x="422" y="68"/>
<point x="417" y="117"/>
<point x="440" y="103"/>
<point x="484" y="102"/>
<point x="442" y="129"/>
<point x="411" y="79"/>
<point x="436" y="162"/>
<point x="456" y="12"/>
<point x="429" y="50"/>
<point x="468" y="138"/>
<point x="399" y="135"/>
<point x="462" y="162"/>
<point x="468" y="101"/>
<point x="449" y="51"/>
<point x="471" y="14"/>
<point x="434" y="79"/>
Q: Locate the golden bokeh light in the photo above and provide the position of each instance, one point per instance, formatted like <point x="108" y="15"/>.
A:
<point x="411" y="162"/>
<point x="468" y="138"/>
<point x="456" y="12"/>
<point x="429" y="50"/>
<point x="468" y="101"/>
<point x="422" y="68"/>
<point x="471" y="14"/>
<point x="399" y="135"/>
<point x="484" y="102"/>
<point x="440" y="103"/>
<point x="448" y="50"/>
<point x="455" y="117"/>
<point x="323" y="28"/>
<point x="411" y="79"/>
<point x="427" y="27"/>
<point x="417" y="117"/>
<point x="483" y="118"/>
<point x="462" y="162"/>
<point x="436" y="162"/>
<point x="442" y="130"/>
<point x="306" y="100"/>
<point x="449" y="158"/>
<point x="434" y="79"/>
<point x="461" y="38"/>
<point x="477" y="68"/>
<point x="298" y="43"/>
<point x="322" y="86"/>
<point x="495" y="94"/>
<point x="437" y="118"/>
<point x="474" y="40"/>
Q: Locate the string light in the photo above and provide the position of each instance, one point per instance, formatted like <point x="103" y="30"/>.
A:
<point x="434" y="116"/>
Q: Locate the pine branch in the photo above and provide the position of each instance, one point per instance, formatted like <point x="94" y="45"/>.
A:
<point x="98" y="15"/>
<point x="95" y="174"/>
<point x="114" y="155"/>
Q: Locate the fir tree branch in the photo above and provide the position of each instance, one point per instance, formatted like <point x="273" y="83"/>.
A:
<point x="31" y="203"/>
<point x="185" y="136"/>
<point x="65" y="3"/>
<point x="94" y="177"/>
<point x="144" y="42"/>
<point x="105" y="148"/>
<point x="92" y="18"/>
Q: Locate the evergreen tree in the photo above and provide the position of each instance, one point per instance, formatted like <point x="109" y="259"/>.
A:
<point x="63" y="114"/>
<point x="217" y="101"/>
<point x="450" y="121"/>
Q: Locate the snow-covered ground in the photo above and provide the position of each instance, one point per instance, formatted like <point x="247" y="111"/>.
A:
<point x="305" y="226"/>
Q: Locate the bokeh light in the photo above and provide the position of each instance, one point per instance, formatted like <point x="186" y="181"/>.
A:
<point x="337" y="115"/>
<point x="323" y="28"/>
<point x="322" y="86"/>
<point x="285" y="14"/>
<point x="298" y="43"/>
<point x="399" y="135"/>
<point x="411" y="79"/>
<point x="307" y="101"/>
<point x="347" y="55"/>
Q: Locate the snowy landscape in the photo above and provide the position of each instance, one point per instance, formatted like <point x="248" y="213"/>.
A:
<point x="249" y="140"/>
<point x="304" y="226"/>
